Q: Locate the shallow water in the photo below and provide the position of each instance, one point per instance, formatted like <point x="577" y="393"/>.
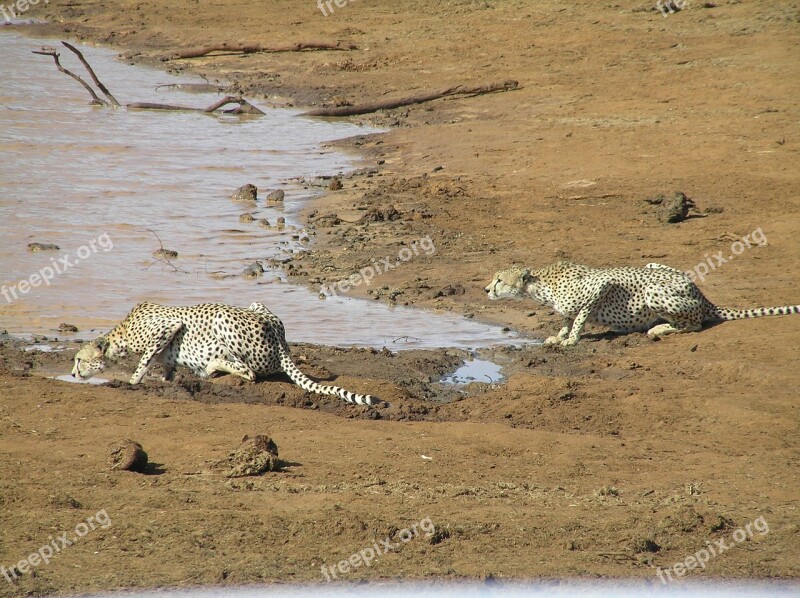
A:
<point x="94" y="180"/>
<point x="475" y="370"/>
<point x="74" y="380"/>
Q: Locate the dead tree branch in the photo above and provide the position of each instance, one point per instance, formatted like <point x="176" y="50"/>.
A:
<point x="244" y="107"/>
<point x="97" y="81"/>
<point x="162" y="255"/>
<point x="52" y="52"/>
<point x="257" y="48"/>
<point x="415" y="99"/>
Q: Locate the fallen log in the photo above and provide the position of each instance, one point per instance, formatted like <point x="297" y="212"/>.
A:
<point x="415" y="99"/>
<point x="257" y="48"/>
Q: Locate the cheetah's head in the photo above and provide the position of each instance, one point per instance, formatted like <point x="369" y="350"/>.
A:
<point x="91" y="359"/>
<point x="509" y="283"/>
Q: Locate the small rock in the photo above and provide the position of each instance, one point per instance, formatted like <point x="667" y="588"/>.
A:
<point x="449" y="291"/>
<point x="327" y="220"/>
<point x="675" y="209"/>
<point x="246" y="218"/>
<point x="68" y="328"/>
<point x="167" y="254"/>
<point x="380" y="215"/>
<point x="42" y="247"/>
<point x="276" y="195"/>
<point x="254" y="456"/>
<point x="645" y="544"/>
<point x="655" y="201"/>
<point x="253" y="271"/>
<point x="264" y="223"/>
<point x="246" y="192"/>
<point x="128" y="455"/>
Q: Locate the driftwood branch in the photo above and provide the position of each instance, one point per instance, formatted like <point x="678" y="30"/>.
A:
<point x="416" y="99"/>
<point x="162" y="253"/>
<point x="55" y="55"/>
<point x="257" y="48"/>
<point x="244" y="107"/>
<point x="97" y="81"/>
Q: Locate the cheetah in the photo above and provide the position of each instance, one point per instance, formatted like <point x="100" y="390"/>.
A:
<point x="627" y="299"/>
<point x="205" y="338"/>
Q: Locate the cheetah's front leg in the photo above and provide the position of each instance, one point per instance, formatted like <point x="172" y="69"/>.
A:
<point x="583" y="315"/>
<point x="163" y="337"/>
<point x="562" y="334"/>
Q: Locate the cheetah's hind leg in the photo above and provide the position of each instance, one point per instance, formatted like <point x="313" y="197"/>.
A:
<point x="679" y="303"/>
<point x="231" y="365"/>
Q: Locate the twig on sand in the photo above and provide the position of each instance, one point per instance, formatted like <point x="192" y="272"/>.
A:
<point x="414" y="99"/>
<point x="257" y="48"/>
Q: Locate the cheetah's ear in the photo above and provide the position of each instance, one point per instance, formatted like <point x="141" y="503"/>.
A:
<point x="102" y="343"/>
<point x="527" y="277"/>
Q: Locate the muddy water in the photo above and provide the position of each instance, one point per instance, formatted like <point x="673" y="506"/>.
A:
<point x="93" y="181"/>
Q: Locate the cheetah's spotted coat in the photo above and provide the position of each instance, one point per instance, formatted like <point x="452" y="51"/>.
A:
<point x="205" y="338"/>
<point x="626" y="299"/>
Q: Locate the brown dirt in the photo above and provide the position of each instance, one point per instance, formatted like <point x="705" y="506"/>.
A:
<point x="607" y="459"/>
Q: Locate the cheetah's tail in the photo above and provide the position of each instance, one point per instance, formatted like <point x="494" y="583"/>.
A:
<point x="724" y="313"/>
<point x="306" y="383"/>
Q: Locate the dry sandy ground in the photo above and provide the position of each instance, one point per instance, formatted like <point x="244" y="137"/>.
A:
<point x="608" y="459"/>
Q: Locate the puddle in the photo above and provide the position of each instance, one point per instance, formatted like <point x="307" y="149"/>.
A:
<point x="96" y="181"/>
<point x="70" y="378"/>
<point x="476" y="370"/>
<point x="43" y="348"/>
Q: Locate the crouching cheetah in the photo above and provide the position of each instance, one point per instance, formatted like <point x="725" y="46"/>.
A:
<point x="626" y="299"/>
<point x="205" y="338"/>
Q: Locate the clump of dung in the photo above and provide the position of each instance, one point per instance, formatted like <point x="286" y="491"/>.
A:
<point x="255" y="456"/>
<point x="128" y="455"/>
